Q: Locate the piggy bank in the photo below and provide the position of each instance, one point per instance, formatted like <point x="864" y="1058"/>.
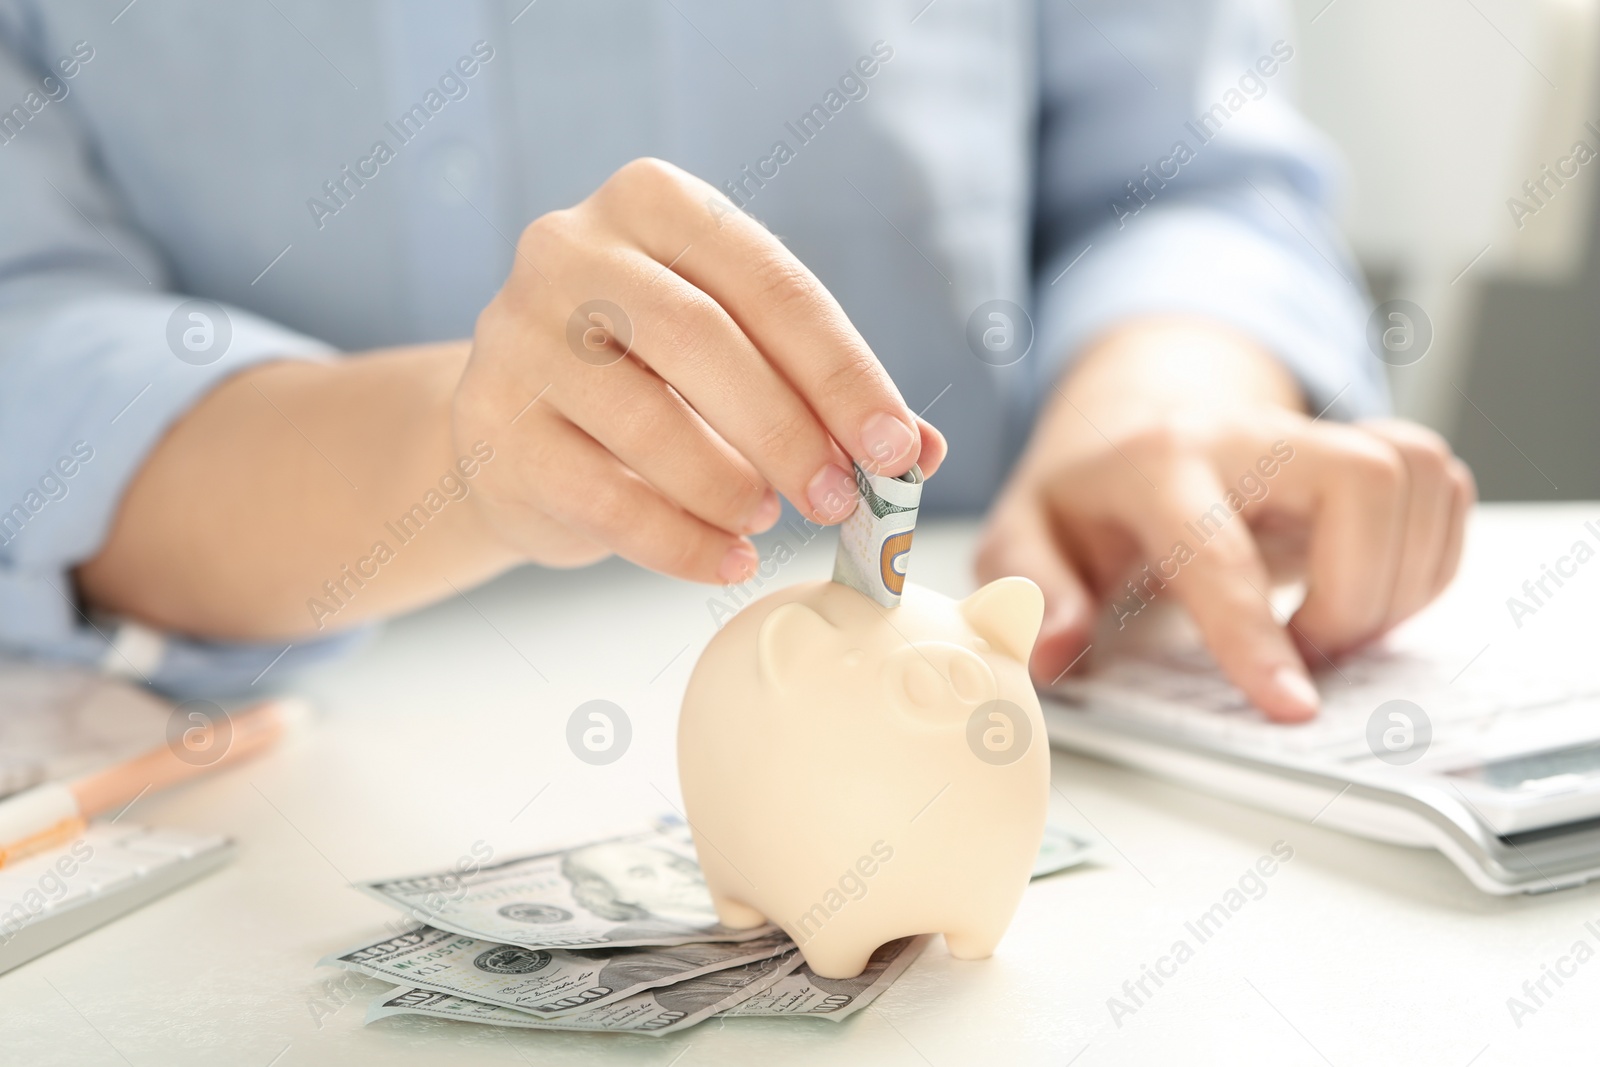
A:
<point x="855" y="773"/>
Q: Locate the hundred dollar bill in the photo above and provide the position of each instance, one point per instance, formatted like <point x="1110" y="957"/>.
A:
<point x="546" y="982"/>
<point x="1059" y="850"/>
<point x="655" y="1011"/>
<point x="875" y="541"/>
<point x="642" y="889"/>
<point x="803" y="992"/>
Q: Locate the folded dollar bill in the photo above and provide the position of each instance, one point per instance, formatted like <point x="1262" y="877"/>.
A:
<point x="875" y="540"/>
<point x="641" y="889"/>
<point x="803" y="992"/>
<point x="654" y="1011"/>
<point x="545" y="982"/>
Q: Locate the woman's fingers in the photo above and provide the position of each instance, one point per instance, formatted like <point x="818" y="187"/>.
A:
<point x="663" y="367"/>
<point x="571" y="478"/>
<point x="1383" y="506"/>
<point x="1018" y="541"/>
<point x="1358" y="487"/>
<point x="1463" y="495"/>
<point x="934" y="448"/>
<point x="689" y="341"/>
<point x="787" y="314"/>
<point x="1201" y="548"/>
<point x="712" y="370"/>
<point x="1430" y="512"/>
<point x="649" y="427"/>
<point x="1164" y="489"/>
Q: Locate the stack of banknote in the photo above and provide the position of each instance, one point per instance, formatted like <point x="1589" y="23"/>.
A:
<point x="615" y="936"/>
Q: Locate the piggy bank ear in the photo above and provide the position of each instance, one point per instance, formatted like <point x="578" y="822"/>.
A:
<point x="1006" y="613"/>
<point x="794" y="644"/>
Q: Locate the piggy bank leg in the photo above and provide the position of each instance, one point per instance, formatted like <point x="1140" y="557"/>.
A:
<point x="972" y="944"/>
<point x="837" y="957"/>
<point x="734" y="914"/>
<point x="726" y="885"/>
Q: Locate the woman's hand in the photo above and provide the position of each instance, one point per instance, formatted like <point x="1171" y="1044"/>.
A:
<point x="1181" y="448"/>
<point x="656" y="370"/>
<point x="659" y="425"/>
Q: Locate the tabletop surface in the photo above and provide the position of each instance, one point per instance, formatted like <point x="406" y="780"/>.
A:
<point x="447" y="733"/>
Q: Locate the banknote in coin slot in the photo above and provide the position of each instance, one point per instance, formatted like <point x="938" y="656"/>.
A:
<point x="875" y="541"/>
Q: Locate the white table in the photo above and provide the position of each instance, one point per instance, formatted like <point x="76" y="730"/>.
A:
<point x="450" y="730"/>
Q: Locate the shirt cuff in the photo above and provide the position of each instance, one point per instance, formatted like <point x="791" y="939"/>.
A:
<point x="84" y="398"/>
<point x="1271" y="270"/>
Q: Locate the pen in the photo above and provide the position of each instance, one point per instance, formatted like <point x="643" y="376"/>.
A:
<point x="51" y="814"/>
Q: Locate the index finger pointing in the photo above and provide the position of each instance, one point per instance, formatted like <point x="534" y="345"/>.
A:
<point x="1206" y="553"/>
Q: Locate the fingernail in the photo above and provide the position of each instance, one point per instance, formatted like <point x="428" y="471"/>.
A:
<point x="832" y="493"/>
<point x="765" y="514"/>
<point x="1298" y="688"/>
<point x="886" y="440"/>
<point x="739" y="564"/>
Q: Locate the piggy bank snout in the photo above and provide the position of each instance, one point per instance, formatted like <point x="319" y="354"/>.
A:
<point x="938" y="681"/>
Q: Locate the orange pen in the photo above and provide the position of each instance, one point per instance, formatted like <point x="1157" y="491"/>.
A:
<point x="51" y="814"/>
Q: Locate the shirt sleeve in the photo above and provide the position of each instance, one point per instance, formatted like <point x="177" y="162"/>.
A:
<point x="98" y="357"/>
<point x="1175" y="178"/>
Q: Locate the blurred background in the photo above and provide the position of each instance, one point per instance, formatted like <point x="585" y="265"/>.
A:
<point x="1444" y="109"/>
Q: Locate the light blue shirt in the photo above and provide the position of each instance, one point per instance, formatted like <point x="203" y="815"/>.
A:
<point x="345" y="176"/>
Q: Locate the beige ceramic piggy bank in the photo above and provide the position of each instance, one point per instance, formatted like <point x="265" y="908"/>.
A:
<point x="857" y="773"/>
